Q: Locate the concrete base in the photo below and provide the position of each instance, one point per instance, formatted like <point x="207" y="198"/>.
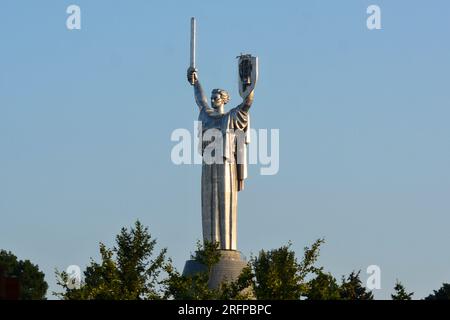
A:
<point x="227" y="269"/>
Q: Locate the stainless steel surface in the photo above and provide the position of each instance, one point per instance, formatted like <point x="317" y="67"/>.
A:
<point x="193" y="44"/>
<point x="221" y="181"/>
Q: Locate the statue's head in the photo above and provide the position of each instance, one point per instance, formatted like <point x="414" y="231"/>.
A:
<point x="219" y="98"/>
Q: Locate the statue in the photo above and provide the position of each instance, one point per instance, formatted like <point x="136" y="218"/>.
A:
<point x="221" y="180"/>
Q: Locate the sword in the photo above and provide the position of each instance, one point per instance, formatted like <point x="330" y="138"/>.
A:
<point x="193" y="31"/>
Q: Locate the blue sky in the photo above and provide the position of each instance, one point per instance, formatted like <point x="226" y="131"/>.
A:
<point x="86" y="118"/>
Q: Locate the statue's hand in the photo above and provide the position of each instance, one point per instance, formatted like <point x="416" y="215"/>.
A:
<point x="192" y="75"/>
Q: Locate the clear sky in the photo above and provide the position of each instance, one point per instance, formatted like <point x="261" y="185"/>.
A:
<point x="86" y="118"/>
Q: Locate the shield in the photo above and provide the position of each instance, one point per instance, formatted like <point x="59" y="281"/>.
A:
<point x="248" y="74"/>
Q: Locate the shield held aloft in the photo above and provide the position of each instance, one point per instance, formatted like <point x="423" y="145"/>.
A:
<point x="248" y="74"/>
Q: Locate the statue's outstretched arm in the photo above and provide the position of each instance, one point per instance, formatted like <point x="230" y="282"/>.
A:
<point x="200" y="97"/>
<point x="247" y="103"/>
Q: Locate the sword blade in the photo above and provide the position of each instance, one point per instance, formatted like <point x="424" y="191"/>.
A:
<point x="193" y="31"/>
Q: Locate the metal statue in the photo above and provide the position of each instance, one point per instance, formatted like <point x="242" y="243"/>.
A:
<point x="221" y="180"/>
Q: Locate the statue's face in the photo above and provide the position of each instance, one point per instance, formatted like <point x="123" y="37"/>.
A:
<point x="216" y="100"/>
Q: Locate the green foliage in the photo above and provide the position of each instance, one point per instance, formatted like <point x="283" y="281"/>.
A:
<point x="278" y="275"/>
<point x="31" y="279"/>
<point x="400" y="292"/>
<point x="352" y="288"/>
<point x="274" y="274"/>
<point x="241" y="289"/>
<point x="193" y="287"/>
<point x="125" y="272"/>
<point x="207" y="254"/>
<point x="196" y="286"/>
<point x="442" y="294"/>
<point x="323" y="287"/>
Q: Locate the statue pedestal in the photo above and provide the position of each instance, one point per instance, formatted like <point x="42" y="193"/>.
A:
<point x="227" y="269"/>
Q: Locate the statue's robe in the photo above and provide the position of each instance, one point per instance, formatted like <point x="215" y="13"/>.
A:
<point x="221" y="181"/>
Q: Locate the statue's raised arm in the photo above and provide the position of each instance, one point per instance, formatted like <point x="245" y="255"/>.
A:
<point x="200" y="97"/>
<point x="247" y="102"/>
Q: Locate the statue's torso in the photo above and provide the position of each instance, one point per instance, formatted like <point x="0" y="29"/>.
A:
<point x="212" y="120"/>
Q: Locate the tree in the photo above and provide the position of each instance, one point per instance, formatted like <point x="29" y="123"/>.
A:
<point x="352" y="289"/>
<point x="207" y="254"/>
<point x="274" y="274"/>
<point x="196" y="286"/>
<point x="323" y="287"/>
<point x="126" y="272"/>
<point x="442" y="294"/>
<point x="278" y="275"/>
<point x="400" y="292"/>
<point x="241" y="289"/>
<point x="31" y="279"/>
<point x="193" y="287"/>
